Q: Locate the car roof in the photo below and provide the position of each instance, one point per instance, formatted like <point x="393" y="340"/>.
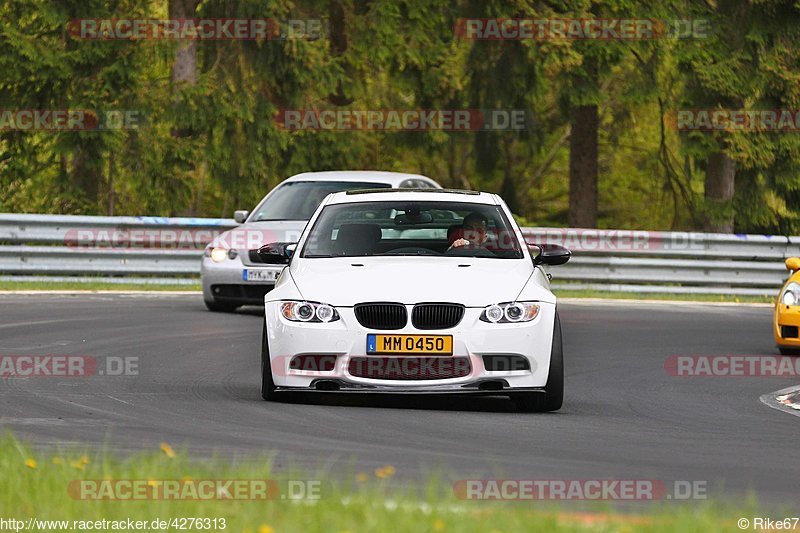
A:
<point x="405" y="195"/>
<point x="373" y="176"/>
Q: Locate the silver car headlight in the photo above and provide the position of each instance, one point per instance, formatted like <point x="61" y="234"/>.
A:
<point x="510" y="312"/>
<point x="308" y="312"/>
<point x="218" y="255"/>
<point x="791" y="294"/>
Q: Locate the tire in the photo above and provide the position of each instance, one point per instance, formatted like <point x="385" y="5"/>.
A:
<point x="788" y="351"/>
<point x="553" y="397"/>
<point x="268" y="391"/>
<point x="219" y="307"/>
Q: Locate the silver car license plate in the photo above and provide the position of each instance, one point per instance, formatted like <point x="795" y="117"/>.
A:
<point x="259" y="275"/>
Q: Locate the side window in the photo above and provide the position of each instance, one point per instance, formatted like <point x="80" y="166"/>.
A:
<point x="408" y="184"/>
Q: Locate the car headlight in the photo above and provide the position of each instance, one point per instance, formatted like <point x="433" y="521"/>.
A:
<point x="308" y="312"/>
<point x="510" y="312"/>
<point x="791" y="294"/>
<point x="218" y="255"/>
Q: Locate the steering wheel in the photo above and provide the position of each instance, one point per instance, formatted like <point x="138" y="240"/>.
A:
<point x="470" y="250"/>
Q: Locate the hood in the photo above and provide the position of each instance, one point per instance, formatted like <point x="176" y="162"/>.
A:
<point x="254" y="235"/>
<point x="410" y="280"/>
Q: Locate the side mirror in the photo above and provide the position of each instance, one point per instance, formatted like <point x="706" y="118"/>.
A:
<point x="793" y="263"/>
<point x="240" y="216"/>
<point x="277" y="253"/>
<point x="550" y="254"/>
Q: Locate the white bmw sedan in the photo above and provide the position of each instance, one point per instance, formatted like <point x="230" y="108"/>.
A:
<point x="413" y="291"/>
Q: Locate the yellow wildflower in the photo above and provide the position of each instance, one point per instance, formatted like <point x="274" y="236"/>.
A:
<point x="385" y="472"/>
<point x="167" y="449"/>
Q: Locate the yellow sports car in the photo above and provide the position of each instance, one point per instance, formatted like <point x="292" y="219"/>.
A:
<point x="787" y="312"/>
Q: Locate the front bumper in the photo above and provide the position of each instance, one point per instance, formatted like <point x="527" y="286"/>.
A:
<point x="223" y="282"/>
<point x="468" y="389"/>
<point x="346" y="339"/>
<point x="786" y="325"/>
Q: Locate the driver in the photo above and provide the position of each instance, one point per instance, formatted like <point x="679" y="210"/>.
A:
<point x="474" y="229"/>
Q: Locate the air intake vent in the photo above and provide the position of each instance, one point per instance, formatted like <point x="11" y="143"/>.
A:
<point x="505" y="363"/>
<point x="437" y="316"/>
<point x="382" y="315"/>
<point x="409" y="368"/>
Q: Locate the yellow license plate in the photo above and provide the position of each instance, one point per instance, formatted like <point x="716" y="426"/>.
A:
<point x="409" y="344"/>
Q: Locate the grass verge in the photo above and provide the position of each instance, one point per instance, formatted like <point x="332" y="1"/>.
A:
<point x="92" y="286"/>
<point x="37" y="485"/>
<point x="726" y="298"/>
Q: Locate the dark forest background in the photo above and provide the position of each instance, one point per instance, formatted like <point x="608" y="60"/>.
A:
<point x="600" y="153"/>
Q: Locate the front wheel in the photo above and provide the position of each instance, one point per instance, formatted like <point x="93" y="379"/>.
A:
<point x="788" y="351"/>
<point x="267" y="384"/>
<point x="553" y="396"/>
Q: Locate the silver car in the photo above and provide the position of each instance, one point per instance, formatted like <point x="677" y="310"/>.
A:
<point x="232" y="273"/>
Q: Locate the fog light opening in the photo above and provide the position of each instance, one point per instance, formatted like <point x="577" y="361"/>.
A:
<point x="491" y="385"/>
<point x="327" y="385"/>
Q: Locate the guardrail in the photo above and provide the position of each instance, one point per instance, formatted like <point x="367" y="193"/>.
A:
<point x="167" y="250"/>
<point x="116" y="249"/>
<point x="670" y="262"/>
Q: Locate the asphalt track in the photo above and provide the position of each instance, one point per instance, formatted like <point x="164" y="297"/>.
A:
<point x="624" y="416"/>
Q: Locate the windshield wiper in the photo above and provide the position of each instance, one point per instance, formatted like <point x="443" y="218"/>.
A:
<point x="410" y="254"/>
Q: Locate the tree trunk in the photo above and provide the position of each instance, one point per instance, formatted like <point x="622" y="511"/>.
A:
<point x="112" y="170"/>
<point x="720" y="174"/>
<point x="337" y="40"/>
<point x="184" y="68"/>
<point x="63" y="185"/>
<point x="508" y="190"/>
<point x="583" y="167"/>
<point x="86" y="176"/>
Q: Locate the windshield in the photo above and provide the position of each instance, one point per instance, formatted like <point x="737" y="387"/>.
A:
<point x="412" y="229"/>
<point x="297" y="200"/>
